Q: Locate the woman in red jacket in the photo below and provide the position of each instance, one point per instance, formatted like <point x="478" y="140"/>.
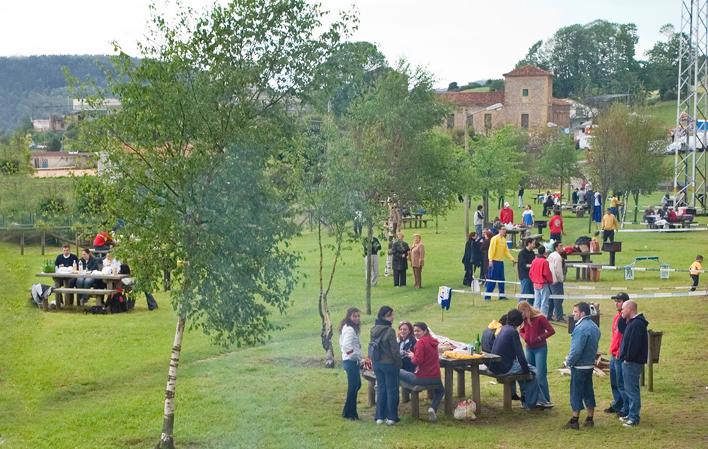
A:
<point x="425" y="357"/>
<point x="535" y="330"/>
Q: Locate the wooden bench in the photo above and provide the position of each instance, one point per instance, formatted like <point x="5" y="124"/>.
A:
<point x="414" y="222"/>
<point x="508" y="382"/>
<point x="98" y="292"/>
<point x="413" y="392"/>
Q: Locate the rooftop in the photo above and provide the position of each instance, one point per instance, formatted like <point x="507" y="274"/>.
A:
<point x="528" y="70"/>
<point x="473" y="98"/>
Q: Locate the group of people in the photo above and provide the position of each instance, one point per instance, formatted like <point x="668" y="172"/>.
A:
<point x="400" y="254"/>
<point x="409" y="355"/>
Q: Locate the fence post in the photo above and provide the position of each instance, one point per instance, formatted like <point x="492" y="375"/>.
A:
<point x="77" y="243"/>
<point x="44" y="240"/>
<point x="22" y="243"/>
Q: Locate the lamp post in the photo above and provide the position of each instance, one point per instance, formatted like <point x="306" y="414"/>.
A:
<point x="494" y="107"/>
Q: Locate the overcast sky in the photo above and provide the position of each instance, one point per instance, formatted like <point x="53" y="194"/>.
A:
<point x="456" y="40"/>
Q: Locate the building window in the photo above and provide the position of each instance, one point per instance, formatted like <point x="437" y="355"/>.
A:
<point x="450" y="120"/>
<point x="524" y="120"/>
<point x="487" y="121"/>
<point x="524" y="92"/>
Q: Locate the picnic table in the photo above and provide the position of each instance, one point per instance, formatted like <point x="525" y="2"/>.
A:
<point x="416" y="221"/>
<point x="61" y="281"/>
<point x="583" y="273"/>
<point x="460" y="366"/>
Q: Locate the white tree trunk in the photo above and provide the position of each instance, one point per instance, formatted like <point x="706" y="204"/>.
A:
<point x="167" y="437"/>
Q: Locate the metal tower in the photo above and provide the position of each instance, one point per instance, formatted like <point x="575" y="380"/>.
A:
<point x="691" y="131"/>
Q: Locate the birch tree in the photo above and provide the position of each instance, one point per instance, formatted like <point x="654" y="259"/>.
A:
<point x="195" y="159"/>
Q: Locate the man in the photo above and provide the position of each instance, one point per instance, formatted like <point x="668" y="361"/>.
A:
<point x="548" y="203"/>
<point x="526" y="256"/>
<point x="506" y="215"/>
<point x="581" y="360"/>
<point x="88" y="263"/>
<point x="541" y="276"/>
<point x="555" y="264"/>
<point x="597" y="208"/>
<point x="555" y="225"/>
<point x="498" y="249"/>
<point x="479" y="220"/>
<point x="65" y="260"/>
<point x="521" y="196"/>
<point x="399" y="259"/>
<point x="575" y="196"/>
<point x="394" y="217"/>
<point x="507" y="344"/>
<point x="633" y="354"/>
<point x="375" y="248"/>
<point x="609" y="226"/>
<point x="616" y="380"/>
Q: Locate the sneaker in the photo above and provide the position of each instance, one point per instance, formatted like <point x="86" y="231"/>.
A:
<point x="624" y="419"/>
<point x="610" y="409"/>
<point x="515" y="397"/>
<point x="379" y="421"/>
<point x="431" y="414"/>
<point x="589" y="422"/>
<point x="390" y="422"/>
<point x="630" y="423"/>
<point x="572" y="425"/>
<point x="547" y="404"/>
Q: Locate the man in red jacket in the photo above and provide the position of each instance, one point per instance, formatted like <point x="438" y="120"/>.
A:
<point x="542" y="278"/>
<point x="506" y="215"/>
<point x="616" y="378"/>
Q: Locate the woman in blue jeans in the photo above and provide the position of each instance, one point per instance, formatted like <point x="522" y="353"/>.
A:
<point x="349" y="330"/>
<point x="535" y="330"/>
<point x="387" y="361"/>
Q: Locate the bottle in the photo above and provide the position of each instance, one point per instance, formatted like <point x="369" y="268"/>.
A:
<point x="75" y="267"/>
<point x="472" y="348"/>
<point x="478" y="345"/>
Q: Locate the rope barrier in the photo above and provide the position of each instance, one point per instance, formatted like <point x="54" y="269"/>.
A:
<point x="593" y="296"/>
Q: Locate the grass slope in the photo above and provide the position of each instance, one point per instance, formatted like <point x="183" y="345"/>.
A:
<point x="69" y="380"/>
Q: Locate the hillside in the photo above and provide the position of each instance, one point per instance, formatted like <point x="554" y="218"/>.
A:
<point x="35" y="86"/>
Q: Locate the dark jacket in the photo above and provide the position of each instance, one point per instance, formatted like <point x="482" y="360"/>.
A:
<point x="89" y="265"/>
<point x="473" y="254"/>
<point x="407" y="345"/>
<point x="375" y="246"/>
<point x="399" y="255"/>
<point x="525" y="258"/>
<point x="389" y="346"/>
<point x="635" y="341"/>
<point x="508" y="345"/>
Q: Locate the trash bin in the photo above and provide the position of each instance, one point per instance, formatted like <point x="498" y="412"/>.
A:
<point x="655" y="345"/>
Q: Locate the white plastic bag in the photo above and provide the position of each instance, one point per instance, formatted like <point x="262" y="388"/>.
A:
<point x="475" y="286"/>
<point x="465" y="410"/>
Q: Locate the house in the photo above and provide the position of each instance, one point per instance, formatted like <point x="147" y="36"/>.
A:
<point x="48" y="160"/>
<point x="527" y="102"/>
<point x="54" y="123"/>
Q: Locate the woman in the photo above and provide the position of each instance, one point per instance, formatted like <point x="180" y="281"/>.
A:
<point x="387" y="364"/>
<point x="469" y="261"/>
<point x="535" y="330"/>
<point x="417" y="255"/>
<point x="406" y="343"/>
<point x="349" y="330"/>
<point x="484" y="248"/>
<point x="426" y="358"/>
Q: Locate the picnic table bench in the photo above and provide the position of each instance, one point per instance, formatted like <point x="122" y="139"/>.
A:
<point x="414" y="222"/>
<point x="508" y="382"/>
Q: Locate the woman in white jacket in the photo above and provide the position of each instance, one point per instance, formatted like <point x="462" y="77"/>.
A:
<point x="349" y="330"/>
<point x="555" y="263"/>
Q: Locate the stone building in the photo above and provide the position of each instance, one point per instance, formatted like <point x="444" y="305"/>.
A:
<point x="527" y="102"/>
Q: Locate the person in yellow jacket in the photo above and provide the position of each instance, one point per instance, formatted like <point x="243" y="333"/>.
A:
<point x="498" y="250"/>
<point x="695" y="271"/>
<point x="609" y="226"/>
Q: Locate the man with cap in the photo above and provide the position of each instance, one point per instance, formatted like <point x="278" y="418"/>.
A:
<point x="634" y="352"/>
<point x="616" y="380"/>
<point x="506" y="215"/>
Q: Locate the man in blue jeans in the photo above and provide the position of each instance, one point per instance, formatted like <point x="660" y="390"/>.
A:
<point x="633" y="354"/>
<point x="581" y="361"/>
<point x="526" y="257"/>
<point x="498" y="250"/>
<point x="616" y="379"/>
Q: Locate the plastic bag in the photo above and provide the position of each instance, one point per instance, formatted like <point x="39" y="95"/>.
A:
<point x="465" y="410"/>
<point x="475" y="286"/>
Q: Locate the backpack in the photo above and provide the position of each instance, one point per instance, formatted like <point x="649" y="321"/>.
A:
<point x="375" y="350"/>
<point x="96" y="310"/>
<point x="118" y="303"/>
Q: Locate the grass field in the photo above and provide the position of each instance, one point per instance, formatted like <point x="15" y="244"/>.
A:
<point x="69" y="380"/>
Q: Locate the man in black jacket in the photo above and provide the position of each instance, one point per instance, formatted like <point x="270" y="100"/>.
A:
<point x="526" y="256"/>
<point x="633" y="354"/>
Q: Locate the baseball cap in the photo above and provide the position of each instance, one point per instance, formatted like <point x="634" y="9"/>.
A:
<point x="622" y="296"/>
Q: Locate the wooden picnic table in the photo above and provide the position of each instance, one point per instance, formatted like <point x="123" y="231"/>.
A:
<point x="60" y="279"/>
<point x="584" y="273"/>
<point x="460" y="366"/>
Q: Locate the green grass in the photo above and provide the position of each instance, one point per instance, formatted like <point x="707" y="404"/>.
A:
<point x="69" y="380"/>
<point x="665" y="111"/>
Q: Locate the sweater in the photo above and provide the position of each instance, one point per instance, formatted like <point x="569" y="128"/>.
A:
<point x="426" y="358"/>
<point x="525" y="258"/>
<point x="618" y="327"/>
<point x="609" y="222"/>
<point x="498" y="249"/>
<point x="389" y="344"/>
<point x="635" y="342"/>
<point x="62" y="261"/>
<point x="350" y="344"/>
<point x="555" y="263"/>
<point x="506" y="215"/>
<point x="555" y="224"/>
<point x="508" y="345"/>
<point x="540" y="272"/>
<point x="536" y="331"/>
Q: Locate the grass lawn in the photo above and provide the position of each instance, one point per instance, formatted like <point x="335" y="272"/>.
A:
<point x="665" y="111"/>
<point x="69" y="380"/>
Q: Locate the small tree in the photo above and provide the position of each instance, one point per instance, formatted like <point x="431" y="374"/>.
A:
<point x="559" y="161"/>
<point x="194" y="162"/>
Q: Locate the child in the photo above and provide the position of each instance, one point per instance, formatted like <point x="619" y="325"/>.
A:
<point x="695" y="271"/>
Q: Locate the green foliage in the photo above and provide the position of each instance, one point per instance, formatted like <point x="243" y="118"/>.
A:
<point x="48" y="266"/>
<point x="559" y="161"/>
<point x="14" y="154"/>
<point x="194" y="157"/>
<point x="52" y="206"/>
<point x="660" y="70"/>
<point x="453" y="87"/>
<point x="495" y="85"/>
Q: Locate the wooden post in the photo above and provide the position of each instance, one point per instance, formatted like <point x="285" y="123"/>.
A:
<point x="371" y="393"/>
<point x="476" y="394"/>
<point x="44" y="240"/>
<point x="78" y="251"/>
<point x="641" y="377"/>
<point x="650" y="365"/>
<point x="22" y="243"/>
<point x="415" y="404"/>
<point x="448" y="390"/>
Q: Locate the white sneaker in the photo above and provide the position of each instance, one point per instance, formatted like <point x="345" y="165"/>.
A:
<point x="629" y="423"/>
<point x="390" y="422"/>
<point x="431" y="414"/>
<point x="379" y="421"/>
<point x="623" y="419"/>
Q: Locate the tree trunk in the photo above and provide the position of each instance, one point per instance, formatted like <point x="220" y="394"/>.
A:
<point x="560" y="198"/>
<point x="436" y="224"/>
<point x="167" y="437"/>
<point x="636" y="206"/>
<point x="485" y="202"/>
<point x="322" y="304"/>
<point x="369" y="267"/>
<point x="466" y="199"/>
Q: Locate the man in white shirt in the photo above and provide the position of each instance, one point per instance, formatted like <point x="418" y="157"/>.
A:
<point x="555" y="263"/>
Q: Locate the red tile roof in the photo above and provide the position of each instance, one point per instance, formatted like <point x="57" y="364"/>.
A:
<point x="473" y="98"/>
<point x="528" y="70"/>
